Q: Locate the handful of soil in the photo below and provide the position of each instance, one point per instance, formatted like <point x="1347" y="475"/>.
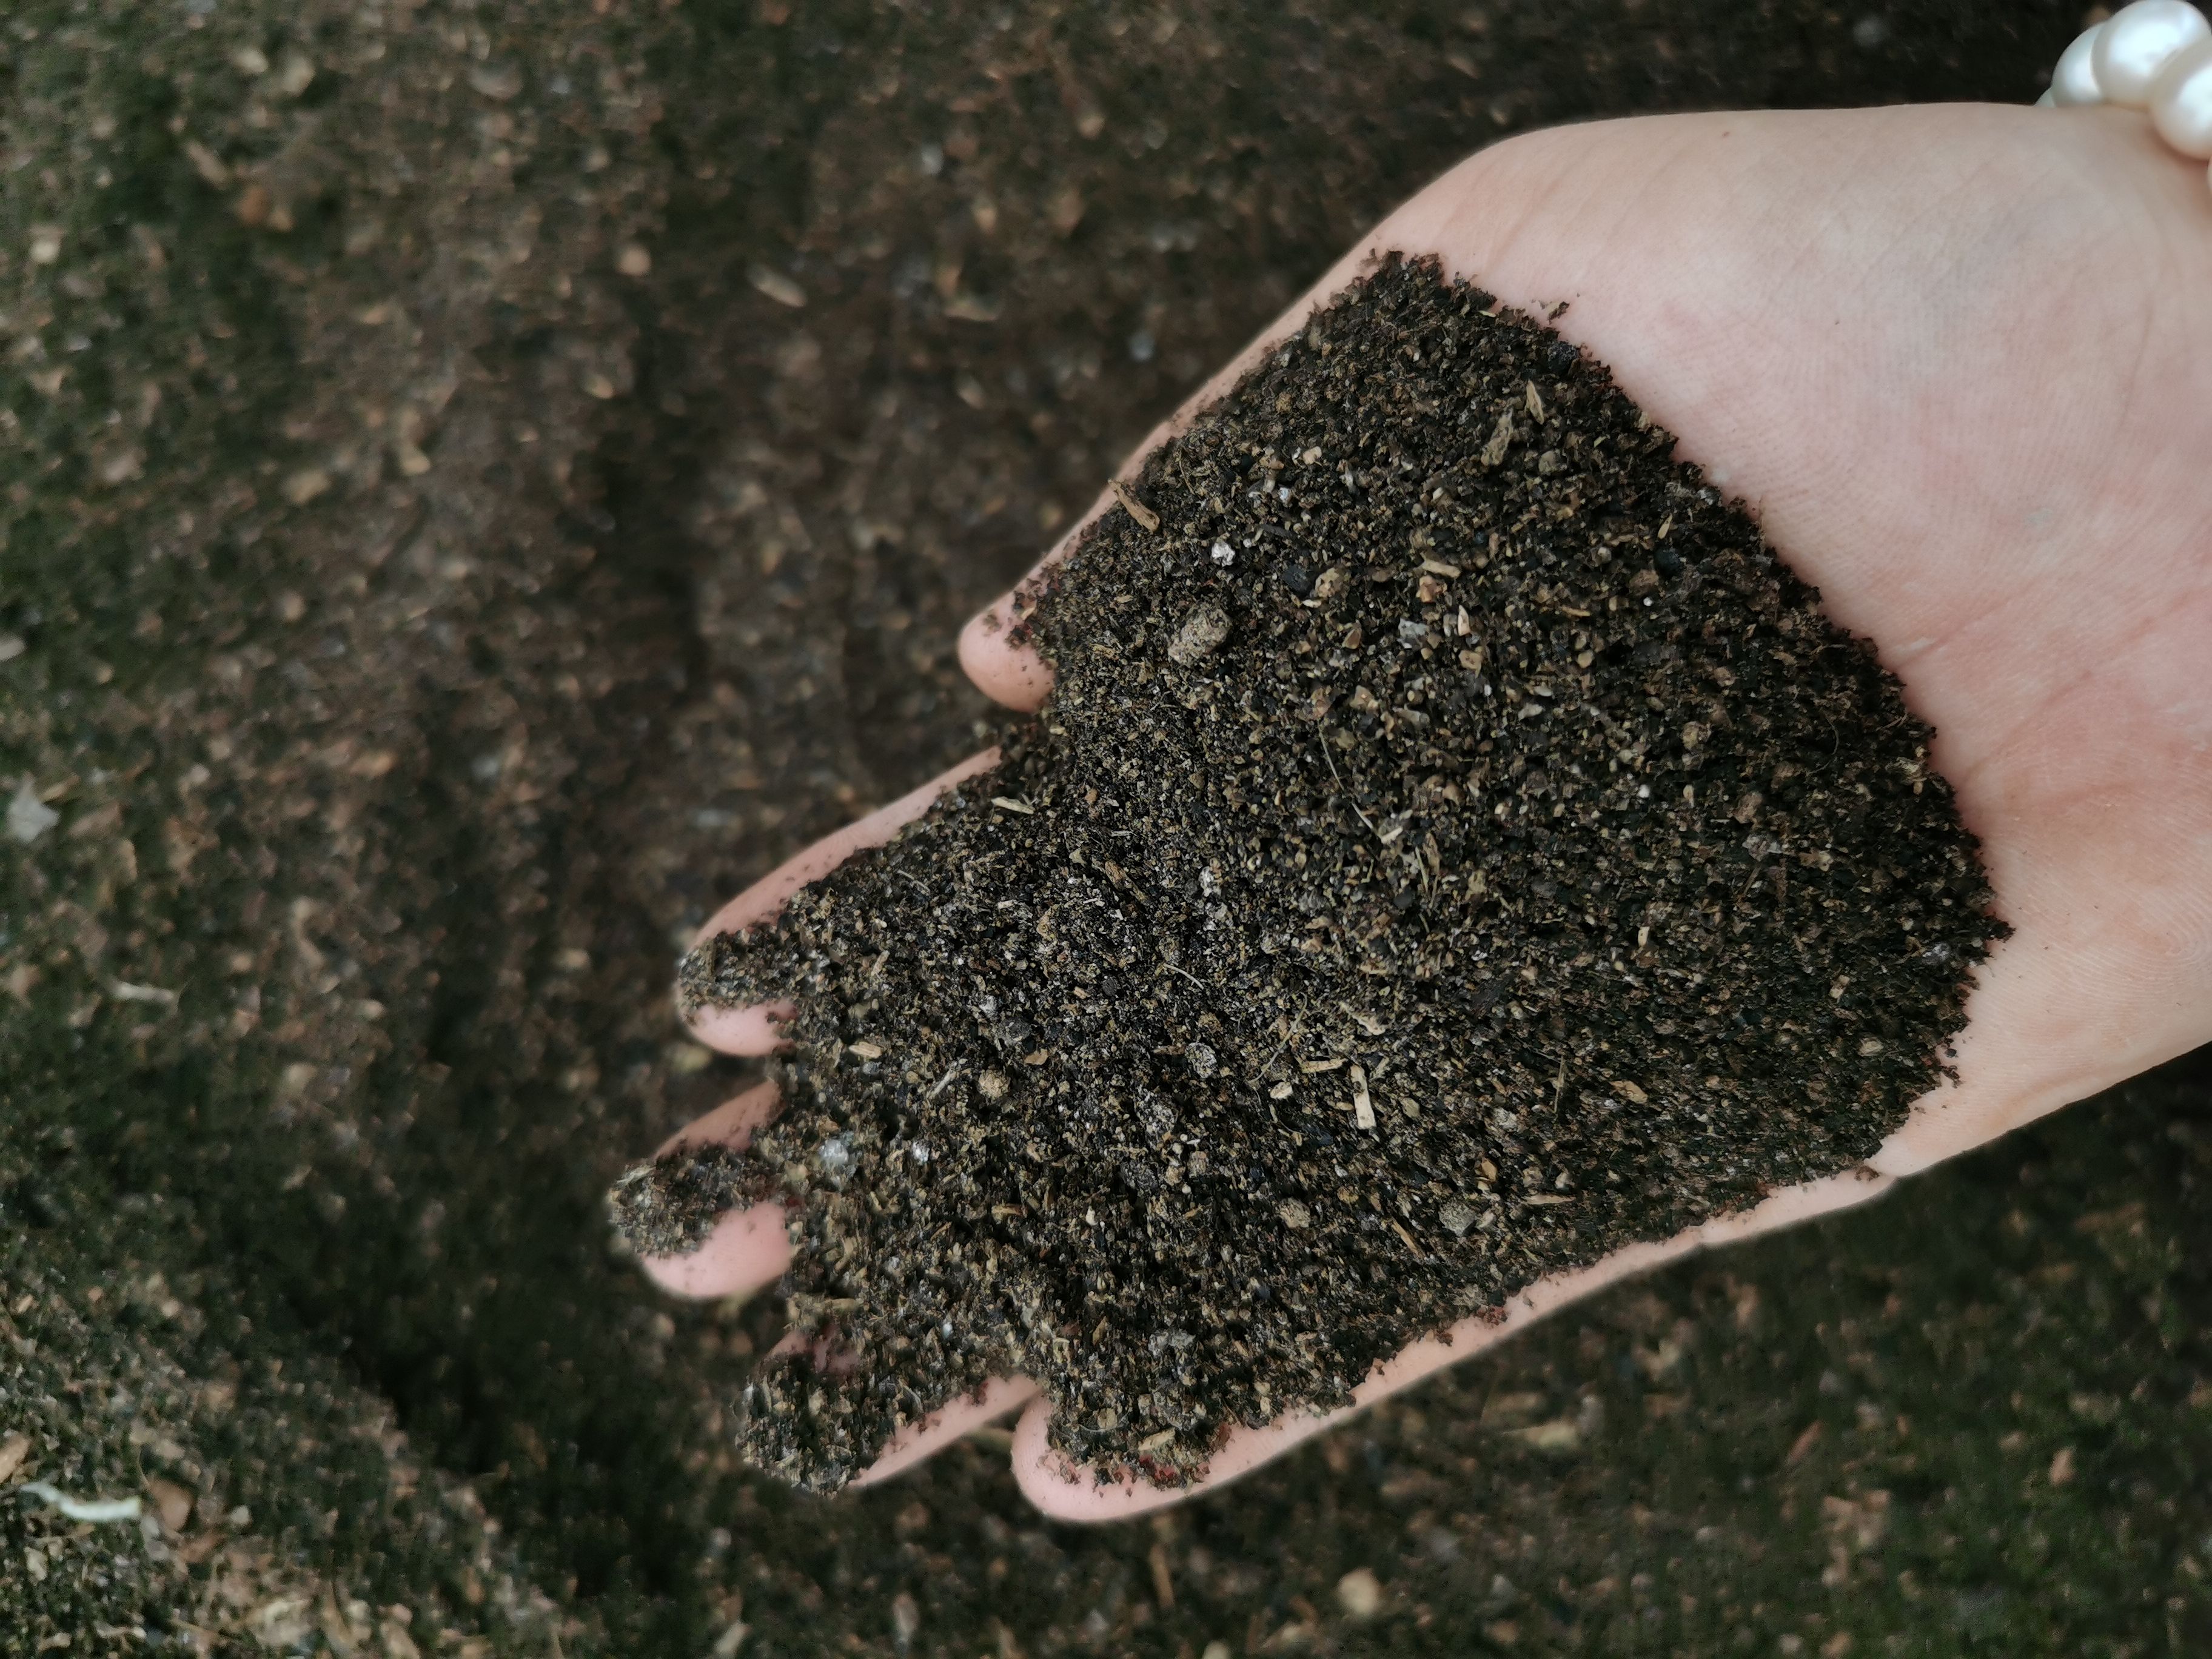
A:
<point x="1455" y="849"/>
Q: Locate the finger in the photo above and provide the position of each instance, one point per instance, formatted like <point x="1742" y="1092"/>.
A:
<point x="756" y="1030"/>
<point x="749" y="1031"/>
<point x="2106" y="974"/>
<point x="1010" y="672"/>
<point x="1070" y="1491"/>
<point x="1003" y="665"/>
<point x="749" y="1246"/>
<point x="993" y="652"/>
<point x="919" y="1441"/>
<point x="940" y="1429"/>
<point x="762" y="900"/>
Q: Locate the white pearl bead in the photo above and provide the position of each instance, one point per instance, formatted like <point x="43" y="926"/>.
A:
<point x="2181" y="101"/>
<point x="2073" y="81"/>
<point x="2136" y="41"/>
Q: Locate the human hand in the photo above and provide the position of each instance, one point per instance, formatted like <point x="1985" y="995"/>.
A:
<point x="1956" y="360"/>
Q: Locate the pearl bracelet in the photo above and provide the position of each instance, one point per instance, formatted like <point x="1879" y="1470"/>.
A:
<point x="2153" y="55"/>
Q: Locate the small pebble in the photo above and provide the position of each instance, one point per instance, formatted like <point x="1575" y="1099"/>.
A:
<point x="1359" y="1592"/>
<point x="1199" y="637"/>
<point x="29" y="817"/>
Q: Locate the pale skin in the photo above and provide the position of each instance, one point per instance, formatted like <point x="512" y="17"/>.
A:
<point x="1958" y="359"/>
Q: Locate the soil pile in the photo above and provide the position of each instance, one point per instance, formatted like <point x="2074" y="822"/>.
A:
<point x="1457" y="847"/>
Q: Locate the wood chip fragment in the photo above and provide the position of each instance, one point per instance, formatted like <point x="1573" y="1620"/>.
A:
<point x="1329" y="1064"/>
<point x="94" y="1511"/>
<point x="1628" y="1090"/>
<point x="1804" y="1443"/>
<point x="1561" y="1434"/>
<point x="865" y="1050"/>
<point x="1501" y="440"/>
<point x="211" y="167"/>
<point x="1007" y="803"/>
<point x="1438" y="568"/>
<point x="1120" y="877"/>
<point x="1163" y="1578"/>
<point x="1146" y="518"/>
<point x="777" y="286"/>
<point x="1362" y="1104"/>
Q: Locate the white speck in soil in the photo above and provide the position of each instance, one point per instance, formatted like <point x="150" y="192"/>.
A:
<point x="29" y="817"/>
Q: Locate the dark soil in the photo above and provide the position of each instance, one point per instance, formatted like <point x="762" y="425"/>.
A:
<point x="409" y="783"/>
<point x="1455" y="849"/>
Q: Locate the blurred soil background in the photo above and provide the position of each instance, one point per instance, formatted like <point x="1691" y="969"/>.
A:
<point x="480" y="483"/>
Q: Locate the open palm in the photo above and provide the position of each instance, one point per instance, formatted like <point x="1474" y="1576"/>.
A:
<point x="1958" y="363"/>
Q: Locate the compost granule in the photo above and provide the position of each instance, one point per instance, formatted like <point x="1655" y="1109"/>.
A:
<point x="1457" y="847"/>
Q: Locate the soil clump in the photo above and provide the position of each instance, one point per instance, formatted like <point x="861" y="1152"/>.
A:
<point x="1457" y="847"/>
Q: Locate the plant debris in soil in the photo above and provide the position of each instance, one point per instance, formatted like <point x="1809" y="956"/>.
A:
<point x="1457" y="848"/>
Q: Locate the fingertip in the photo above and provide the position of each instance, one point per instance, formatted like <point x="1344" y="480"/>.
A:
<point x="750" y="1032"/>
<point x="731" y="1123"/>
<point x="1065" y="1491"/>
<point x="747" y="1249"/>
<point x="761" y="904"/>
<point x="1056" y="1487"/>
<point x="925" y="1440"/>
<point x="1008" y="672"/>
